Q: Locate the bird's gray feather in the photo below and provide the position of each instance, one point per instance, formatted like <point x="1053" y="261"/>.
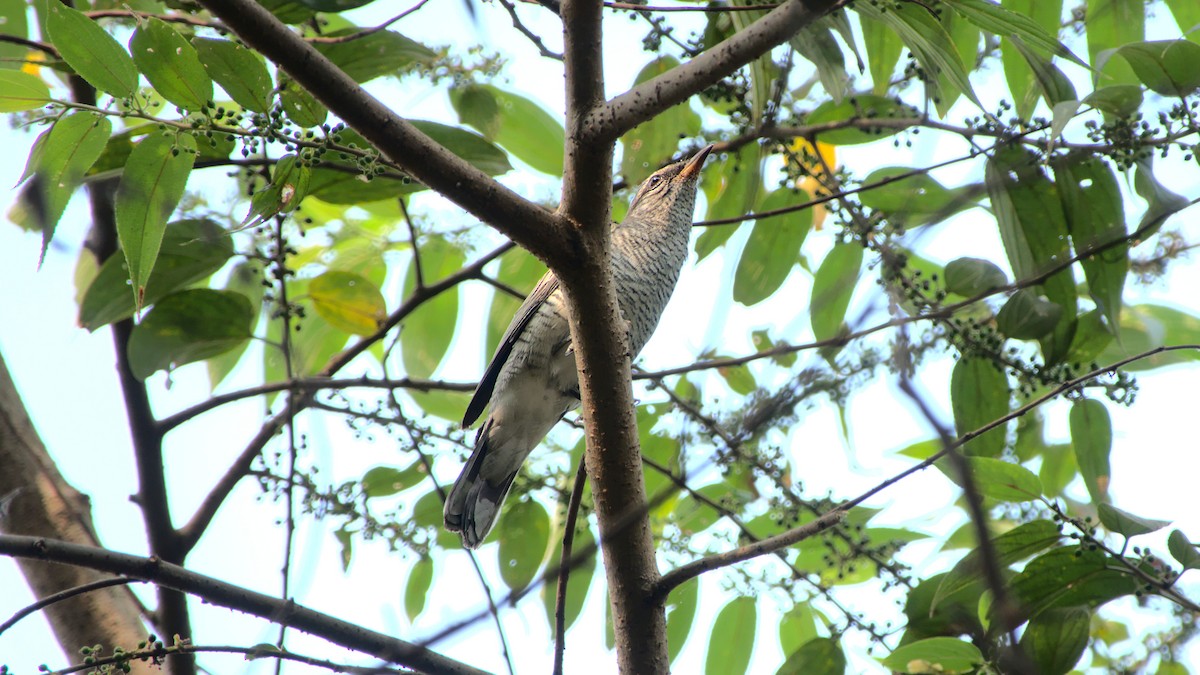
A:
<point x="536" y="299"/>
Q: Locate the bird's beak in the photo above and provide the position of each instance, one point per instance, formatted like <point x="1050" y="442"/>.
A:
<point x="692" y="169"/>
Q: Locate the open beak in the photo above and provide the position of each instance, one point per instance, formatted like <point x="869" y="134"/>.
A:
<point x="692" y="169"/>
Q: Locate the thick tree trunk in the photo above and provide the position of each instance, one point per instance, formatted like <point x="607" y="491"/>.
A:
<point x="35" y="500"/>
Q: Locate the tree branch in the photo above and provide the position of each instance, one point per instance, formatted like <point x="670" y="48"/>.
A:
<point x="531" y="226"/>
<point x="675" y="86"/>
<point x="166" y="575"/>
<point x="780" y="541"/>
<point x="564" y="571"/>
<point x="194" y="529"/>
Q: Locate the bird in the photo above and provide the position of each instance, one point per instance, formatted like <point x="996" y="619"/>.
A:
<point x="531" y="381"/>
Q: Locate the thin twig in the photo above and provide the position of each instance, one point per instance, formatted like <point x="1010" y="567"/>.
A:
<point x="690" y="8"/>
<point x="309" y="384"/>
<point x="417" y="438"/>
<point x="191" y="532"/>
<point x="178" y="579"/>
<point x="564" y="571"/>
<point x="63" y="595"/>
<point x="366" y="31"/>
<point x="529" y="34"/>
<point x="697" y="567"/>
<point x="1003" y="604"/>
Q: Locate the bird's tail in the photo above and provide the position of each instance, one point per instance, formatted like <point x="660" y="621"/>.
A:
<point x="474" y="501"/>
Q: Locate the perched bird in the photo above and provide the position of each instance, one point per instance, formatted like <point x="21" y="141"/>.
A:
<point x="532" y="382"/>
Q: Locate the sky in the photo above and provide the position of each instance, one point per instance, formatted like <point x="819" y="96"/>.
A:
<point x="66" y="378"/>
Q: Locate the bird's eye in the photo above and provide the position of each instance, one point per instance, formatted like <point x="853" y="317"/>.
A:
<point x="655" y="180"/>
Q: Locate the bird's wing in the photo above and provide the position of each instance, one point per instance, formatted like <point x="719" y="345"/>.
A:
<point x="483" y="393"/>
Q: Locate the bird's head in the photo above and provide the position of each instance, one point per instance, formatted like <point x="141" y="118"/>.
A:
<point x="669" y="194"/>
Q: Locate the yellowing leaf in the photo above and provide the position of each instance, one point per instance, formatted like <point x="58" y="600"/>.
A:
<point x="348" y="301"/>
<point x="815" y="163"/>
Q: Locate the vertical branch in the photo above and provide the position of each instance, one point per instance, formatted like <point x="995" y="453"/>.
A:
<point x="598" y="336"/>
<point x="171" y="616"/>
<point x="36" y="501"/>
<point x="564" y="570"/>
<point x="285" y="345"/>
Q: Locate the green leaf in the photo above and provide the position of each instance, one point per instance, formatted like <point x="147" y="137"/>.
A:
<point x="239" y="71"/>
<point x="917" y="199"/>
<point x="820" y="656"/>
<point x="979" y="395"/>
<point x="1187" y="17"/>
<point x="385" y="481"/>
<point x="381" y="53"/>
<point x="732" y="638"/>
<point x="681" y="614"/>
<point x="731" y="189"/>
<point x="1145" y="327"/>
<point x="934" y="655"/>
<point x="1046" y="14"/>
<point x="346" y="540"/>
<point x="21" y="91"/>
<point x="171" y="64"/>
<point x="1056" y="639"/>
<point x="472" y="147"/>
<point x="150" y="188"/>
<point x="1111" y="24"/>
<point x="970" y="277"/>
<point x="1091" y="435"/>
<point x="13" y="16"/>
<point x="856" y="108"/>
<point x="290" y="181"/>
<point x="954" y="615"/>
<point x="59" y="161"/>
<point x="1034" y="232"/>
<point x="797" y="627"/>
<point x="833" y="286"/>
<point x="514" y="122"/>
<point x="1092" y="336"/>
<point x="90" y="51"/>
<point x="1125" y="523"/>
<point x="1027" y="316"/>
<point x="448" y="405"/>
<point x="1095" y="212"/>
<point x="313" y="341"/>
<point x="933" y="47"/>
<point x="246" y="278"/>
<point x="1161" y="202"/>
<point x="816" y="43"/>
<point x="773" y="248"/>
<point x="302" y="108"/>
<point x="883" y="52"/>
<point x="188" y="326"/>
<point x="998" y="479"/>
<point x="1000" y="21"/>
<point x="1068" y="576"/>
<point x="427" y="513"/>
<point x="427" y="333"/>
<point x="652" y="143"/>
<point x="1053" y="85"/>
<point x="1167" y="67"/>
<point x="1013" y="546"/>
<point x="191" y="250"/>
<point x="526" y="528"/>
<point x="1118" y="100"/>
<point x="348" y="301"/>
<point x="692" y="515"/>
<point x="1183" y="551"/>
<point x="416" y="588"/>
